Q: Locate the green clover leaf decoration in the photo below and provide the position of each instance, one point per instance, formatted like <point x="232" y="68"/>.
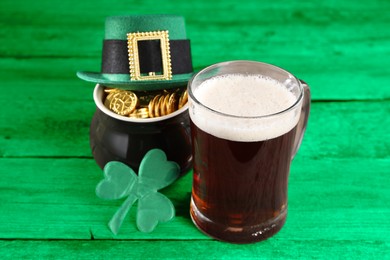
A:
<point x="120" y="181"/>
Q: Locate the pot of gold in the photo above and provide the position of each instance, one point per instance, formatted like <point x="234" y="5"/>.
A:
<point x="127" y="124"/>
<point x="140" y="94"/>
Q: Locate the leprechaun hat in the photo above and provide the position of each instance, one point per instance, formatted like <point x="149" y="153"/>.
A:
<point x="144" y="52"/>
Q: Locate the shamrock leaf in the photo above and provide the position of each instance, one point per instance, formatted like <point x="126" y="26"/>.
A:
<point x="155" y="162"/>
<point x="152" y="209"/>
<point x="120" y="181"/>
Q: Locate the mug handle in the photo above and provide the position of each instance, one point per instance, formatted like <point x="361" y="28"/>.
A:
<point x="302" y="123"/>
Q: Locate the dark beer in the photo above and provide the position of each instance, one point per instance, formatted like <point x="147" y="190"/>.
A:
<point x="242" y="141"/>
<point x="239" y="186"/>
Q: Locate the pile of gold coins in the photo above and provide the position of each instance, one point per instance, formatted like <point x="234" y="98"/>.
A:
<point x="142" y="104"/>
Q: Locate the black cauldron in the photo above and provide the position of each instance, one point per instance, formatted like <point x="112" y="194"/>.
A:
<point x="118" y="138"/>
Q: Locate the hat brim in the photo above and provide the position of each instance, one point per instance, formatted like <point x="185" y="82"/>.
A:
<point x="123" y="80"/>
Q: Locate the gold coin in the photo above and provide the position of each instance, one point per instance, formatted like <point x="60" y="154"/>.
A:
<point x="144" y="104"/>
<point x="157" y="110"/>
<point x="107" y="103"/>
<point x="152" y="105"/>
<point x="109" y="90"/>
<point x="183" y="99"/>
<point x="110" y="95"/>
<point x="123" y="102"/>
<point x="164" y="105"/>
<point x="143" y="112"/>
<point x="140" y="113"/>
<point x="172" y="103"/>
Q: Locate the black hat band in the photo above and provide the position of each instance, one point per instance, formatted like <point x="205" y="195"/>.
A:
<point x="115" y="58"/>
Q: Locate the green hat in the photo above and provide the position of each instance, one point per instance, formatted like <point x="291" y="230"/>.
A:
<point x="144" y="52"/>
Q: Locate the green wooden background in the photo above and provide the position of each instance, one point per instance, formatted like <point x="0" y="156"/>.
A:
<point x="339" y="185"/>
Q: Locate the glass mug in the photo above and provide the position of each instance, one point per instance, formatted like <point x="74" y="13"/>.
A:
<point x="247" y="122"/>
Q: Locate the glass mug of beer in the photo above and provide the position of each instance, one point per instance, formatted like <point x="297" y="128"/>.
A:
<point x="247" y="122"/>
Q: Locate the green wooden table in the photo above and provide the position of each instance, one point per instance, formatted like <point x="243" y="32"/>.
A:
<point x="339" y="188"/>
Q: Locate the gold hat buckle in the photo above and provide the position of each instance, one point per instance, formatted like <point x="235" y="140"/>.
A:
<point x="132" y="44"/>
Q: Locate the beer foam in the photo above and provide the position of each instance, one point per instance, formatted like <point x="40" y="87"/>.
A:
<point x="251" y="100"/>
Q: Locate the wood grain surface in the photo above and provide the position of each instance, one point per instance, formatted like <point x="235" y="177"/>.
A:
<point x="339" y="195"/>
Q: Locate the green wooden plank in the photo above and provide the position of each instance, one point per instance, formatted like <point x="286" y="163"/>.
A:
<point x="351" y="79"/>
<point x="271" y="249"/>
<point x="348" y="130"/>
<point x="329" y="199"/>
<point x="280" y="21"/>
<point x="46" y="128"/>
<point x="339" y="200"/>
<point x="55" y="198"/>
<point x="59" y="126"/>
<point x="330" y="45"/>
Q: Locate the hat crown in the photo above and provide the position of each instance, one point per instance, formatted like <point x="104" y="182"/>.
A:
<point x="117" y="27"/>
<point x="163" y="53"/>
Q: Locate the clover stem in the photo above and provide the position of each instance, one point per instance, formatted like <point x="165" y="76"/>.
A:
<point x="116" y="220"/>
